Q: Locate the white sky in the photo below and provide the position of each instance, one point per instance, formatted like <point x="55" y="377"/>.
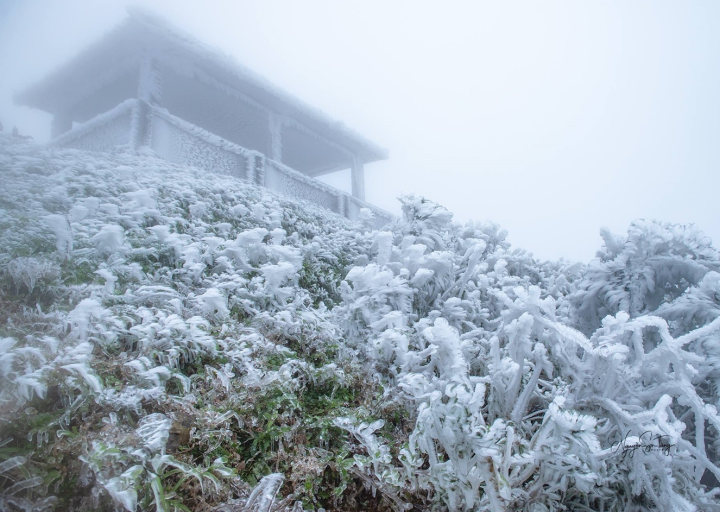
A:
<point x="551" y="118"/>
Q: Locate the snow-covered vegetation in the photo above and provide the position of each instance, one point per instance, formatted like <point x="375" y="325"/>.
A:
<point x="172" y="340"/>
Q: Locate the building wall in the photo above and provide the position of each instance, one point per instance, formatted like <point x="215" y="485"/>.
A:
<point x="179" y="146"/>
<point x="217" y="112"/>
<point x="105" y="136"/>
<point x="294" y="184"/>
<point x="120" y="88"/>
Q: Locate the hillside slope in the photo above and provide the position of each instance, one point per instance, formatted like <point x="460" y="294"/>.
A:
<point x="177" y="341"/>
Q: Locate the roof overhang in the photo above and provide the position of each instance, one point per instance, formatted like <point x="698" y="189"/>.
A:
<point x="122" y="50"/>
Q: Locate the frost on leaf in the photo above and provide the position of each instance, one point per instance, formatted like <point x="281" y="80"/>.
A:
<point x="203" y="343"/>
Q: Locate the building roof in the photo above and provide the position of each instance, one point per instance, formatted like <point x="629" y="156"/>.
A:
<point x="121" y="51"/>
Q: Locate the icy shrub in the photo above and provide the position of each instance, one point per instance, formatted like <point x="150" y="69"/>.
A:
<point x="204" y="344"/>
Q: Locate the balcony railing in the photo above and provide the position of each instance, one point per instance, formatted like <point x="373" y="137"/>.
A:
<point x="135" y="123"/>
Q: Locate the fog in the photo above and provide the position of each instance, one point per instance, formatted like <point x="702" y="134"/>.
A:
<point x="552" y="119"/>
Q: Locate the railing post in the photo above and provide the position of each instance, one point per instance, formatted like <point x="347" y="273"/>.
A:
<point x="357" y="175"/>
<point x="140" y="127"/>
<point x="250" y="168"/>
<point x="342" y="204"/>
<point x="259" y="169"/>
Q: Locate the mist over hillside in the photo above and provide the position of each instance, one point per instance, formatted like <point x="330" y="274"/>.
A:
<point x="175" y="340"/>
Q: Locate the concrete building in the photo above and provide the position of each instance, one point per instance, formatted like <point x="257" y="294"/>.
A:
<point x="147" y="84"/>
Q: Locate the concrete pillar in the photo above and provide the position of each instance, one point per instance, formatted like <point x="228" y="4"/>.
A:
<point x="61" y="123"/>
<point x="149" y="93"/>
<point x="357" y="176"/>
<point x="150" y="84"/>
<point x="276" y="125"/>
<point x="342" y="204"/>
<point x="140" y="125"/>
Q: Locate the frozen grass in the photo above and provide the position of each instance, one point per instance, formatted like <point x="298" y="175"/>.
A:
<point x="171" y="340"/>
